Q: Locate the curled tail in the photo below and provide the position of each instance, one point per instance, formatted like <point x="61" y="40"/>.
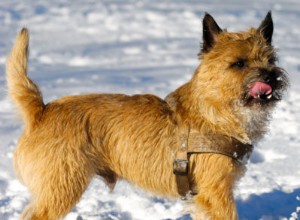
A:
<point x="21" y="89"/>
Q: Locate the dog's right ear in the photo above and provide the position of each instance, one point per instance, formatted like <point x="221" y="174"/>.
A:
<point x="210" y="32"/>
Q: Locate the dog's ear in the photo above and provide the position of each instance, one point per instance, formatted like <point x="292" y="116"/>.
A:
<point x="266" y="28"/>
<point x="210" y="32"/>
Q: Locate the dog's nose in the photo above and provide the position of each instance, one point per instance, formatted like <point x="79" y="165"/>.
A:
<point x="270" y="79"/>
<point x="269" y="76"/>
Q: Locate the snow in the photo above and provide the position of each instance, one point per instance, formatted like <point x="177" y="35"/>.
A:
<point x="148" y="46"/>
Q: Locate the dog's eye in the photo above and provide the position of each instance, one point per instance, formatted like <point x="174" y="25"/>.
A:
<point x="239" y="64"/>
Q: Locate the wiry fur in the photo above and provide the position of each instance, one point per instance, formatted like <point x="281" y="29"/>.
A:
<point x="68" y="141"/>
<point x="21" y="89"/>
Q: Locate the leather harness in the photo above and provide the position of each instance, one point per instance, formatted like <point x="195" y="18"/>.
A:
<point x="192" y="142"/>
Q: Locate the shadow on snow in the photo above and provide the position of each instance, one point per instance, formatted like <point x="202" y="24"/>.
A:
<point x="271" y="205"/>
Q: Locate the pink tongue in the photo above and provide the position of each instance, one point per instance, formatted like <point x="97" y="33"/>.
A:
<point x="260" y="88"/>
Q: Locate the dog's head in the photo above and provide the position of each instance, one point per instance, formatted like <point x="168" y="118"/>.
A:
<point x="237" y="82"/>
<point x="241" y="66"/>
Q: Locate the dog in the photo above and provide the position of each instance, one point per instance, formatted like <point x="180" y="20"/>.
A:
<point x="193" y="144"/>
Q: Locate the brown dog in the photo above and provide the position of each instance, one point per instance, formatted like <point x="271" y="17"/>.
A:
<point x="202" y="132"/>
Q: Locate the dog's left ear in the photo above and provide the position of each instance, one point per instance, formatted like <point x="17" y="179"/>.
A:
<point x="210" y="32"/>
<point x="266" y="28"/>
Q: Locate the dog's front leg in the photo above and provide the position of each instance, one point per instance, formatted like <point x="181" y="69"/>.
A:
<point x="212" y="206"/>
<point x="215" y="177"/>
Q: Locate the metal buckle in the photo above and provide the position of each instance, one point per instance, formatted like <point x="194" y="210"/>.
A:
<point x="180" y="167"/>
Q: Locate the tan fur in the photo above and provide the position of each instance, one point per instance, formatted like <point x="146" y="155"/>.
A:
<point x="68" y="141"/>
<point x="21" y="89"/>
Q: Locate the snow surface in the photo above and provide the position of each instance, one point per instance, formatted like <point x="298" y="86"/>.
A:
<point x="148" y="47"/>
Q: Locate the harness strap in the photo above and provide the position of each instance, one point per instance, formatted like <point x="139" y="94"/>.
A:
<point x="180" y="165"/>
<point x="192" y="142"/>
<point x="218" y="144"/>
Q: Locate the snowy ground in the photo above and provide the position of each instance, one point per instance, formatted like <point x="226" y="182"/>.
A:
<point x="148" y="47"/>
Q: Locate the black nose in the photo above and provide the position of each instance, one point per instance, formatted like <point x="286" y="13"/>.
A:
<point x="270" y="79"/>
<point x="269" y="76"/>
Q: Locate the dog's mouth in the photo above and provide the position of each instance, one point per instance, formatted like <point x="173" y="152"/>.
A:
<point x="261" y="91"/>
<point x="266" y="88"/>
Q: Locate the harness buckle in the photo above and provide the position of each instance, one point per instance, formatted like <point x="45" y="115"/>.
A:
<point x="180" y="167"/>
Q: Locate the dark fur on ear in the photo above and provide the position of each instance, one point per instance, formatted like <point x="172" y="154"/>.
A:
<point x="210" y="32"/>
<point x="266" y="28"/>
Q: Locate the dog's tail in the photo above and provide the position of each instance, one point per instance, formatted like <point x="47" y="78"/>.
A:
<point x="23" y="91"/>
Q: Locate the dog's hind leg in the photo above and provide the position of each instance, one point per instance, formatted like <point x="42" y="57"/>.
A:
<point x="57" y="187"/>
